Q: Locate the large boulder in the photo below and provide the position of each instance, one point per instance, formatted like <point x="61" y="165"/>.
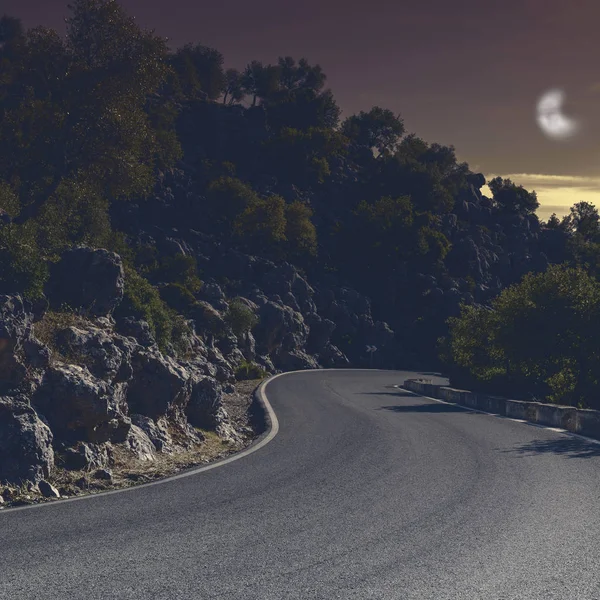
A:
<point x="294" y="360"/>
<point x="159" y="385"/>
<point x="81" y="407"/>
<point x="157" y="431"/>
<point x="85" y="456"/>
<point x="25" y="443"/>
<point x="205" y="407"/>
<point x="138" y="329"/>
<point x="107" y="356"/>
<point x="280" y="327"/>
<point x="17" y="343"/>
<point x="320" y="332"/>
<point x="139" y="444"/>
<point x="88" y="279"/>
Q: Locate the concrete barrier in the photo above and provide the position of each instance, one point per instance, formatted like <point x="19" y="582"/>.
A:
<point x="583" y="421"/>
<point x="588" y="422"/>
<point x="557" y="416"/>
<point x="492" y="404"/>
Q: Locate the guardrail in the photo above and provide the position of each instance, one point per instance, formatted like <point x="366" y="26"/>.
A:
<point x="576" y="420"/>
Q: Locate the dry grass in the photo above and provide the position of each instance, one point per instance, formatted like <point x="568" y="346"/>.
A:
<point x="50" y="324"/>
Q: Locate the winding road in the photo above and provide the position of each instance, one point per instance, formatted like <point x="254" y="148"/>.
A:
<point x="367" y="491"/>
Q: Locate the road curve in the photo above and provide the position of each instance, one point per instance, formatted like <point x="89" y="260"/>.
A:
<point x="367" y="491"/>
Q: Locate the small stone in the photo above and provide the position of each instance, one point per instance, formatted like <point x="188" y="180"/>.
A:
<point x="1" y="500"/>
<point x="48" y="490"/>
<point x="103" y="474"/>
<point x="82" y="483"/>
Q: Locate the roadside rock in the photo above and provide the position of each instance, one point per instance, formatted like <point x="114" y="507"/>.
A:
<point x="25" y="443"/>
<point x="48" y="490"/>
<point x="205" y="402"/>
<point x="78" y="406"/>
<point x="16" y="340"/>
<point x="139" y="444"/>
<point x="85" y="457"/>
<point x="156" y="431"/>
<point x="159" y="385"/>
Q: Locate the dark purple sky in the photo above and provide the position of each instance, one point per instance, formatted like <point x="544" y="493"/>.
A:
<point x="462" y="72"/>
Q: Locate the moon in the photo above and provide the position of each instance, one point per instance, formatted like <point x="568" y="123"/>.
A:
<point x="550" y="118"/>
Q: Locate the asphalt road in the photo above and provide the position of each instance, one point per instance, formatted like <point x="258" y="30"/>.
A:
<point x="367" y="491"/>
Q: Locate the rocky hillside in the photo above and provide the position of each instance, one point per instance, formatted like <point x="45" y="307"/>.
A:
<point x="169" y="227"/>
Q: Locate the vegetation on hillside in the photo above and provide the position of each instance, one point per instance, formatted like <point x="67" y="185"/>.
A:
<point x="91" y="123"/>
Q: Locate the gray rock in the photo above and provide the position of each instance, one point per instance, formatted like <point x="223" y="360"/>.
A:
<point x="106" y="355"/>
<point x="295" y="360"/>
<point x="78" y="406"/>
<point x="247" y="345"/>
<point x="332" y="357"/>
<point x="140" y="445"/>
<point x="25" y="443"/>
<point x="48" y="490"/>
<point x="280" y="326"/>
<point x="86" y="457"/>
<point x="320" y="332"/>
<point x="206" y="400"/>
<point x="157" y="431"/>
<point x="15" y="333"/>
<point x="88" y="279"/>
<point x="159" y="385"/>
<point x="105" y="474"/>
<point x="137" y="329"/>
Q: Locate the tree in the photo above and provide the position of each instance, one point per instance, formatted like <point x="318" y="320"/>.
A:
<point x="511" y="198"/>
<point x="300" y="232"/>
<point x="539" y="338"/>
<point x="200" y="71"/>
<point x="584" y="220"/>
<point x="77" y="108"/>
<point x="233" y="87"/>
<point x="553" y="222"/>
<point x="377" y="129"/>
<point x="260" y="81"/>
<point x="227" y="198"/>
<point x="300" y="76"/>
<point x="261" y="226"/>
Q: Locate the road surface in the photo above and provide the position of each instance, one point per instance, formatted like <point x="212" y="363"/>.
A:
<point x="367" y="491"/>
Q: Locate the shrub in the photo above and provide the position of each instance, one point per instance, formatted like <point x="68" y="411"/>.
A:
<point x="22" y="267"/>
<point x="180" y="269"/>
<point x="250" y="370"/>
<point x="240" y="318"/>
<point x="178" y="297"/>
<point x="142" y="300"/>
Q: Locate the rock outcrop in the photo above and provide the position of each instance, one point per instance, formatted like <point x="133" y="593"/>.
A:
<point x="87" y="279"/>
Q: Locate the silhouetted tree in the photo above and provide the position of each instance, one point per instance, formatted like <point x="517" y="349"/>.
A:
<point x="377" y="129"/>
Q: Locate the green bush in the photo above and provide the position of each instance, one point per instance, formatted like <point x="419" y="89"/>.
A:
<point x="178" y="297"/>
<point x="179" y="269"/>
<point x="143" y="301"/>
<point x="240" y="318"/>
<point x="250" y="370"/>
<point x="22" y="266"/>
<point x="540" y="339"/>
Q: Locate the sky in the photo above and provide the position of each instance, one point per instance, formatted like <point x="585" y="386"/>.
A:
<point x="467" y="73"/>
